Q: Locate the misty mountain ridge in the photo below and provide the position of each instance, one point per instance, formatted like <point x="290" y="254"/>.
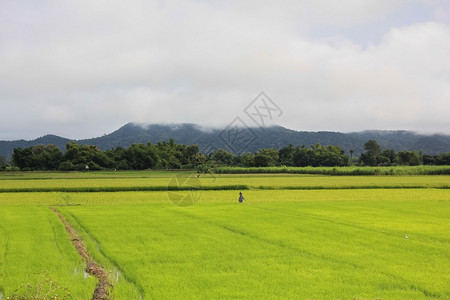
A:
<point x="240" y="139"/>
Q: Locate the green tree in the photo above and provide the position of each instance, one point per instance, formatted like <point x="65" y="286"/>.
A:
<point x="3" y="161"/>
<point x="387" y="157"/>
<point x="170" y="154"/>
<point x="303" y="157"/>
<point x="408" y="158"/>
<point x="262" y="160"/>
<point x="370" y="157"/>
<point x="442" y="159"/>
<point x="428" y="159"/>
<point x="247" y="160"/>
<point x="199" y="159"/>
<point x="372" y="148"/>
<point x="79" y="156"/>
<point x="21" y="157"/>
<point x="351" y="155"/>
<point x="286" y="155"/>
<point x="119" y="159"/>
<point x="141" y="156"/>
<point x="222" y="157"/>
<point x="51" y="157"/>
<point x="266" y="157"/>
<point x="38" y="157"/>
<point x="190" y="153"/>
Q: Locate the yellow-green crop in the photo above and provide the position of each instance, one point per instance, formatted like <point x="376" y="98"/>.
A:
<point x="294" y="237"/>
<point x="219" y="182"/>
<point x="278" y="244"/>
<point x="33" y="246"/>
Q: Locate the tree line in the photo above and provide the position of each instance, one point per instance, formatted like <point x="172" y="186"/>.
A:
<point x="170" y="155"/>
<point x="375" y="156"/>
<point x="167" y="155"/>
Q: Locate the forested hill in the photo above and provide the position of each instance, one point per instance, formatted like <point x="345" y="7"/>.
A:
<point x="246" y="140"/>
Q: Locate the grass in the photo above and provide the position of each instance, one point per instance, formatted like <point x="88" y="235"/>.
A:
<point x="296" y="236"/>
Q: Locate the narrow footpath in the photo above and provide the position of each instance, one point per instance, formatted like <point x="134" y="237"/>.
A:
<point x="104" y="285"/>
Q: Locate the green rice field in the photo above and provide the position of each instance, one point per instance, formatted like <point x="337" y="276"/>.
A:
<point x="157" y="181"/>
<point x="294" y="237"/>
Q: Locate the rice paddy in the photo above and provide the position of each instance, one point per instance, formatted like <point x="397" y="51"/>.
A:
<point x="294" y="237"/>
<point x="34" y="246"/>
<point x="153" y="181"/>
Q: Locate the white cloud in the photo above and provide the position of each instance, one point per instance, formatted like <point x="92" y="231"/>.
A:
<point x="83" y="68"/>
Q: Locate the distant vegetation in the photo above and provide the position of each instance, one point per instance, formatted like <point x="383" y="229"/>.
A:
<point x="343" y="171"/>
<point x="170" y="155"/>
<point x="375" y="156"/>
<point x="275" y="137"/>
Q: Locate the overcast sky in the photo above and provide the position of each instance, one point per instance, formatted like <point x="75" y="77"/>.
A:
<point x="84" y="68"/>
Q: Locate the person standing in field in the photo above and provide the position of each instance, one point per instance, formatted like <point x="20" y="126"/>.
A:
<point x="241" y="197"/>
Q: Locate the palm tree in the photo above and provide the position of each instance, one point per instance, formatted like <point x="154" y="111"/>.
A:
<point x="351" y="155"/>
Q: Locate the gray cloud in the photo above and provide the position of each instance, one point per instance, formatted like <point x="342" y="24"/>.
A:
<point x="83" y="68"/>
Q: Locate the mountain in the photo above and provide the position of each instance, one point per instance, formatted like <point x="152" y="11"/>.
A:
<point x="7" y="147"/>
<point x="242" y="139"/>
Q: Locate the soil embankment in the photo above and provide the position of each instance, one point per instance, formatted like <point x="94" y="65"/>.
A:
<point x="104" y="285"/>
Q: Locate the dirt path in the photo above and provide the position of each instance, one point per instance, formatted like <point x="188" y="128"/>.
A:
<point x="104" y="285"/>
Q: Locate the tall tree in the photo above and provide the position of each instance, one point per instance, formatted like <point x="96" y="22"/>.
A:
<point x="222" y="157"/>
<point x="3" y="161"/>
<point x="370" y="157"/>
<point x="372" y="148"/>
<point x="286" y="155"/>
<point x="351" y="154"/>
<point x="408" y="158"/>
<point x="266" y="157"/>
<point x="303" y="157"/>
